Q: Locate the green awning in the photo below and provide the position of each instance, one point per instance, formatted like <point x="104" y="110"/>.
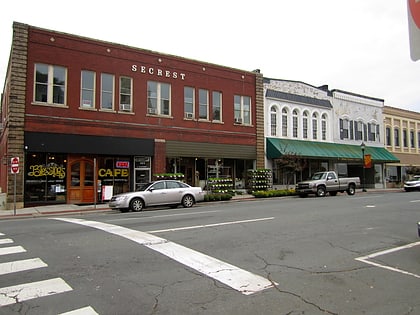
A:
<point x="311" y="149"/>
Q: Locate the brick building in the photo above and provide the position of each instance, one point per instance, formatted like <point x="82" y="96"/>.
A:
<point x="82" y="113"/>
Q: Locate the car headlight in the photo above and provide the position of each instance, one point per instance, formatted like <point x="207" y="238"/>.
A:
<point x="121" y="198"/>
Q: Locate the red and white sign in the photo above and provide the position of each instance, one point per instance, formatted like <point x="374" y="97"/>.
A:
<point x="413" y="7"/>
<point x="14" y="162"/>
<point x="122" y="164"/>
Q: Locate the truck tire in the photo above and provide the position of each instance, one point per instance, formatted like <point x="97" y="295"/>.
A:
<point x="320" y="191"/>
<point x="351" y="190"/>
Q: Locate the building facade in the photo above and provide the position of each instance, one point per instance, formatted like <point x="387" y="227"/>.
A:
<point x="402" y="138"/>
<point x="311" y="129"/>
<point x="82" y="114"/>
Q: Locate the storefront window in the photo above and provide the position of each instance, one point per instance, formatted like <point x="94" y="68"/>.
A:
<point x="45" y="180"/>
<point x="112" y="171"/>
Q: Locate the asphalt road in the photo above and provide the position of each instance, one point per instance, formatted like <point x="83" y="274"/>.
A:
<point x="334" y="255"/>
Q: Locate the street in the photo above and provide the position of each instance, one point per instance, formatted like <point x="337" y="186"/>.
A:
<point x="333" y="255"/>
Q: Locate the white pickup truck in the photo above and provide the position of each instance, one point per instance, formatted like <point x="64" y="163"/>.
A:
<point x="322" y="183"/>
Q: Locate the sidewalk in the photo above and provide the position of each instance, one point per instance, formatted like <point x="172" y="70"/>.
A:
<point x="63" y="209"/>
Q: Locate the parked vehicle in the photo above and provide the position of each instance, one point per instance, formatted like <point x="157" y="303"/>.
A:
<point x="163" y="192"/>
<point x="413" y="184"/>
<point x="322" y="183"/>
<point x="418" y="228"/>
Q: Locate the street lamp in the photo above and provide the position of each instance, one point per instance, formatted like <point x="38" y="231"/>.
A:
<point x="363" y="165"/>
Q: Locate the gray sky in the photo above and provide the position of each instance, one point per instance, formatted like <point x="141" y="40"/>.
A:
<point x="360" y="46"/>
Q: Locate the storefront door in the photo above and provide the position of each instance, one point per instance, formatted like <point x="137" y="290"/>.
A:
<point x="80" y="178"/>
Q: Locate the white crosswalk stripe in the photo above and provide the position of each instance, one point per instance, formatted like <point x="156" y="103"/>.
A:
<point x="21" y="265"/>
<point x="81" y="311"/>
<point x="32" y="290"/>
<point x="6" y="241"/>
<point x="12" y="250"/>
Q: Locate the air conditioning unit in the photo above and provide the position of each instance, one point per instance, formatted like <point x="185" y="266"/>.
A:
<point x="125" y="107"/>
<point x="152" y="111"/>
<point x="189" y="115"/>
<point x="238" y="120"/>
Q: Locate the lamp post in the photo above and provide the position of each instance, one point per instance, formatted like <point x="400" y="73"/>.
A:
<point x="363" y="165"/>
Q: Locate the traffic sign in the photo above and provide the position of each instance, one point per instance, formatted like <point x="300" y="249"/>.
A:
<point x="14" y="165"/>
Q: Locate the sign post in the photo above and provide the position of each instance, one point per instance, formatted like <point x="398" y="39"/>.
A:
<point x="14" y="168"/>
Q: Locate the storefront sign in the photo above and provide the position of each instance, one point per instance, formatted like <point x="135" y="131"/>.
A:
<point x="51" y="170"/>
<point x="368" y="161"/>
<point x="116" y="172"/>
<point x="157" y="72"/>
<point x="122" y="164"/>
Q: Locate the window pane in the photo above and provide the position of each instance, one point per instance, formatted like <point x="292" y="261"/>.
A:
<point x="203" y="102"/>
<point x="88" y="84"/>
<point x="237" y="106"/>
<point x="41" y="73"/>
<point x="152" y="97"/>
<point x="41" y="92"/>
<point x="107" y="95"/>
<point x="188" y="100"/>
<point x="59" y="75"/>
<point x="217" y="105"/>
<point x="165" y="98"/>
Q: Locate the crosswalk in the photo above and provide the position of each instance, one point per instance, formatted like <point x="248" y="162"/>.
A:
<point x="30" y="290"/>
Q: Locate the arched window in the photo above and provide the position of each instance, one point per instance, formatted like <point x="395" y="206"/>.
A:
<point x="284" y="114"/>
<point x="314" y="126"/>
<point x="273" y="121"/>
<point x="295" y="124"/>
<point x="305" y="125"/>
<point x="324" y="126"/>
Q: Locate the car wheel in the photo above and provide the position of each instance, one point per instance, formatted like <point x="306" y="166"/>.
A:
<point x="187" y="201"/>
<point x="351" y="190"/>
<point x="320" y="192"/>
<point x="136" y="204"/>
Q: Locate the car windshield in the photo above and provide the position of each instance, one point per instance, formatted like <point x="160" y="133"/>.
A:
<point x="143" y="187"/>
<point x="317" y="176"/>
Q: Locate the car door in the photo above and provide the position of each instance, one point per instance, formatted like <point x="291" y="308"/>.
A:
<point x="174" y="192"/>
<point x="332" y="182"/>
<point x="156" y="194"/>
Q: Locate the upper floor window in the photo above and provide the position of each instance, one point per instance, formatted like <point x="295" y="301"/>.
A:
<point x="87" y="94"/>
<point x="305" y="125"/>
<point x="396" y="137"/>
<point x="107" y="91"/>
<point x="405" y="138"/>
<point x="273" y="121"/>
<point x="158" y="98"/>
<point x="295" y="124"/>
<point x="217" y="105"/>
<point x="242" y="109"/>
<point x="358" y="130"/>
<point x="372" y="132"/>
<point x="126" y="88"/>
<point x="412" y="141"/>
<point x="344" y="129"/>
<point x="284" y="115"/>
<point x="203" y="100"/>
<point x="388" y="136"/>
<point x="189" y="102"/>
<point x="314" y="126"/>
<point x="50" y="84"/>
<point x="324" y="127"/>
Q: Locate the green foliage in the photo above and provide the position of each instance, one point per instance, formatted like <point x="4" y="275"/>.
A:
<point x="273" y="193"/>
<point x="217" y="197"/>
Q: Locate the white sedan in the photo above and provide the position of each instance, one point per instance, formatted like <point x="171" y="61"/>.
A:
<point x="162" y="192"/>
<point x="413" y="184"/>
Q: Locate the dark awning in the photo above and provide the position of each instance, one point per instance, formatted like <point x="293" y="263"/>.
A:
<point x="81" y="144"/>
<point x="310" y="149"/>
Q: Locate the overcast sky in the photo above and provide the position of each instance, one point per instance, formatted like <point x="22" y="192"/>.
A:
<point x="360" y="46"/>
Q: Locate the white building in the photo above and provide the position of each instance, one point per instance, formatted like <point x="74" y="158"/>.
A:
<point x="310" y="129"/>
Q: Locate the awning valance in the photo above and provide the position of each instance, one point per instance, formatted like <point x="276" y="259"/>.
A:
<point x="311" y="149"/>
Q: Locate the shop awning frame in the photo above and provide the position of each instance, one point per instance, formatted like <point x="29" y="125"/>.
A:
<point x="276" y="147"/>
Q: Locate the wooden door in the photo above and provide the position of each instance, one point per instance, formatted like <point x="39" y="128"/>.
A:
<point x="80" y="180"/>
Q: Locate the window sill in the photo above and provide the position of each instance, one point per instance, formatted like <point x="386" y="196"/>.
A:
<point x="50" y="105"/>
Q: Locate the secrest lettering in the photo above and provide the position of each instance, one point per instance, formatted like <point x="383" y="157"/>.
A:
<point x="158" y="72"/>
